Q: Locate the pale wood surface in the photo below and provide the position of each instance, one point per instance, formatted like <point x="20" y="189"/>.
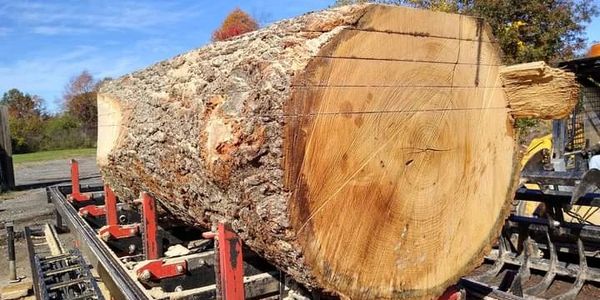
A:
<point x="407" y="157"/>
<point x="535" y="90"/>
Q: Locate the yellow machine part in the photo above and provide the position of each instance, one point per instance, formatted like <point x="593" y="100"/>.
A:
<point x="536" y="146"/>
<point x="528" y="208"/>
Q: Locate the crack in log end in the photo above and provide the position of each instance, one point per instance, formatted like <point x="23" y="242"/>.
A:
<point x="428" y="149"/>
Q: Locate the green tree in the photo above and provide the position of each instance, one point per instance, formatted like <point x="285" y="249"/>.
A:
<point x="549" y="30"/>
<point x="63" y="131"/>
<point x="22" y="105"/>
<point x="26" y="119"/>
<point x="236" y="23"/>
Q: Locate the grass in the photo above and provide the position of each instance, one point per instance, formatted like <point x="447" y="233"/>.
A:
<point x="53" y="154"/>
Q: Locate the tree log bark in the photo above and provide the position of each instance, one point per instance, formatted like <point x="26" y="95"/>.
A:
<point x="368" y="150"/>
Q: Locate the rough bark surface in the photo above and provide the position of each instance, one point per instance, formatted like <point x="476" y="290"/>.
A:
<point x="204" y="130"/>
<point x="368" y="150"/>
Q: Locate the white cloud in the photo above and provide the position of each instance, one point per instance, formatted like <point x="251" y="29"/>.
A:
<point x="55" y="30"/>
<point x="44" y="70"/>
<point x="46" y="75"/>
<point x="52" y="18"/>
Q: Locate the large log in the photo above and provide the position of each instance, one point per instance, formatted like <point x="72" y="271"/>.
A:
<point x="368" y="150"/>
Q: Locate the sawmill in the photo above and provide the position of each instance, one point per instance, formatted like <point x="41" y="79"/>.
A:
<point x="359" y="152"/>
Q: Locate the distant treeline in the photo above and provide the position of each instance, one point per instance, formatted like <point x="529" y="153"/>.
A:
<point x="74" y="126"/>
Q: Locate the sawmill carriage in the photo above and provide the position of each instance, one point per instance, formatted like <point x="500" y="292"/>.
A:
<point x="549" y="245"/>
<point x="361" y="152"/>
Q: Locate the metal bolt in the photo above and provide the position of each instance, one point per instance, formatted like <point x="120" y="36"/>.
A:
<point x="145" y="275"/>
<point x="122" y="219"/>
<point x="105" y="236"/>
<point x="209" y="235"/>
<point x="131" y="249"/>
<point x="179" y="269"/>
<point x="12" y="269"/>
<point x="178" y="288"/>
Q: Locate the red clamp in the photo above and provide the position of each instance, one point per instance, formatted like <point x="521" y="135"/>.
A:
<point x="92" y="210"/>
<point x="230" y="269"/>
<point x="76" y="195"/>
<point x="452" y="293"/>
<point x="154" y="268"/>
<point x="112" y="229"/>
<point x="117" y="232"/>
<point x="150" y="240"/>
<point x="158" y="269"/>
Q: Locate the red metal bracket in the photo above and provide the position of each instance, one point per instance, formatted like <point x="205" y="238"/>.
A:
<point x="231" y="268"/>
<point x="92" y="210"/>
<point x="117" y="232"/>
<point x="112" y="229"/>
<point x="452" y="293"/>
<point x="76" y="195"/>
<point x="110" y="202"/>
<point x="152" y="249"/>
<point x="158" y="269"/>
<point x="154" y="268"/>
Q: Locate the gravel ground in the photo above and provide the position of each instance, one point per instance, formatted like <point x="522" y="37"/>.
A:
<point x="52" y="172"/>
<point x="29" y="206"/>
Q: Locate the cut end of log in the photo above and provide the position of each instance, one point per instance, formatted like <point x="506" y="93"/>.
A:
<point x="391" y="142"/>
<point x="536" y="90"/>
<point x="109" y="127"/>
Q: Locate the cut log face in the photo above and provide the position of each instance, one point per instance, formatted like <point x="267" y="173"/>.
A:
<point x="403" y="167"/>
<point x="368" y="150"/>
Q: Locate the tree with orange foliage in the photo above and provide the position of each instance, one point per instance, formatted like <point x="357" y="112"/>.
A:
<point x="80" y="99"/>
<point x="236" y="23"/>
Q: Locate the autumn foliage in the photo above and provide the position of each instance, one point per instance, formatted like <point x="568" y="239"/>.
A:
<point x="236" y="23"/>
<point x="80" y="99"/>
<point x="33" y="129"/>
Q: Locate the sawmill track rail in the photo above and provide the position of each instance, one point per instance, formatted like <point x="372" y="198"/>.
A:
<point x="118" y="260"/>
<point x="90" y="243"/>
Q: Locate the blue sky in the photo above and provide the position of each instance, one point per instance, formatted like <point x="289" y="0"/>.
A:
<point x="44" y="43"/>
